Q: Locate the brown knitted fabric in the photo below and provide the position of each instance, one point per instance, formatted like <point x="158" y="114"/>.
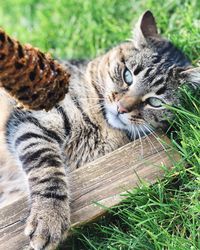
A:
<point x="34" y="79"/>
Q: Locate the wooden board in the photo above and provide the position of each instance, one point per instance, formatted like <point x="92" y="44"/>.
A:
<point x="102" y="181"/>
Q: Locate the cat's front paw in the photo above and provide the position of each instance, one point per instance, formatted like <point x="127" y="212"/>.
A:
<point x="47" y="225"/>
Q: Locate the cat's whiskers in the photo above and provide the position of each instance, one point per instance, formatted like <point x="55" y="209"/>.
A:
<point x="91" y="98"/>
<point x="96" y="107"/>
<point x="133" y="133"/>
<point x="156" y="136"/>
<point x="89" y="105"/>
<point x="139" y="136"/>
<point x="97" y="83"/>
<point x="153" y="133"/>
<point x="147" y="137"/>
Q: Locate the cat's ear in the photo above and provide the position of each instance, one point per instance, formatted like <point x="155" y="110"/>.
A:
<point x="145" y="28"/>
<point x="191" y="76"/>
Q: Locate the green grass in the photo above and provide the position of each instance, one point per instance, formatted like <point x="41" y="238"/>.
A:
<point x="162" y="216"/>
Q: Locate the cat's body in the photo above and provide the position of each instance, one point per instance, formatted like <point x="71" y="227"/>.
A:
<point x="105" y="108"/>
<point x="77" y="126"/>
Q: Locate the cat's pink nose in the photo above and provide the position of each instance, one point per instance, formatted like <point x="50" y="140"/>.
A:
<point x="121" y="109"/>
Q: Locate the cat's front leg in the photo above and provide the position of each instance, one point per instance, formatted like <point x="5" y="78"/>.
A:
<point x="50" y="216"/>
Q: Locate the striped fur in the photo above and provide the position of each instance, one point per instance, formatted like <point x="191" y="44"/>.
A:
<point x="86" y="124"/>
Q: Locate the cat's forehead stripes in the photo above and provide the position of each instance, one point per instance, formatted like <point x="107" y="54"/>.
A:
<point x="151" y="67"/>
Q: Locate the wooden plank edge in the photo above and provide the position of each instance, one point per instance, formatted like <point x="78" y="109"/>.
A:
<point x="84" y="209"/>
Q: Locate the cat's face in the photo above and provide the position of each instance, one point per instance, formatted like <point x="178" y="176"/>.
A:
<point x="142" y="76"/>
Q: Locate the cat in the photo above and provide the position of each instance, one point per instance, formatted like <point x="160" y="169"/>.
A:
<point x="112" y="100"/>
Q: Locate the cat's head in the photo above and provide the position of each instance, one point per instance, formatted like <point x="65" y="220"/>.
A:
<point x="141" y="76"/>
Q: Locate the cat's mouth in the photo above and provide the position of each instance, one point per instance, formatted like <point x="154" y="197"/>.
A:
<point x="124" y="121"/>
<point x="135" y="127"/>
<point x="130" y="119"/>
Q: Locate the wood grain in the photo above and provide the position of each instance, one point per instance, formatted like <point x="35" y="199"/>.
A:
<point x="102" y="181"/>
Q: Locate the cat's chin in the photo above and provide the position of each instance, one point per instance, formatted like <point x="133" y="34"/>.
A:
<point x="134" y="130"/>
<point x="116" y="122"/>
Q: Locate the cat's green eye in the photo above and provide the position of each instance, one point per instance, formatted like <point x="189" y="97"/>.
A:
<point x="155" y="102"/>
<point x="128" y="77"/>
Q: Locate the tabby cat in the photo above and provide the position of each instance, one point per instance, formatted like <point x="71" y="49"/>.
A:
<point x="112" y="100"/>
